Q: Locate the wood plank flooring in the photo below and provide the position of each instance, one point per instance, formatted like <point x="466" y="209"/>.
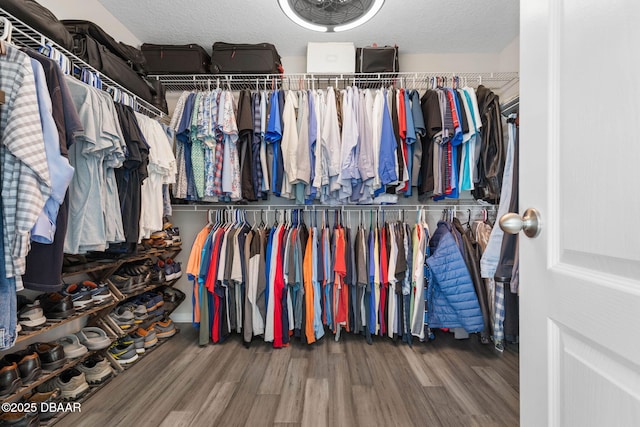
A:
<point x="445" y="382"/>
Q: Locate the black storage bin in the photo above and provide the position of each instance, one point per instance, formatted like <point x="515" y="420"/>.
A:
<point x="230" y="58"/>
<point x="176" y="59"/>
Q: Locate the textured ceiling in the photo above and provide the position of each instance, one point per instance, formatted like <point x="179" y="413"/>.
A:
<point x="416" y="26"/>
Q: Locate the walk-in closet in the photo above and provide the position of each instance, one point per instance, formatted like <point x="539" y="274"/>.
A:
<point x="318" y="213"/>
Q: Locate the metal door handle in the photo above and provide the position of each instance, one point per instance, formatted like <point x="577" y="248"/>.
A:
<point x="530" y="223"/>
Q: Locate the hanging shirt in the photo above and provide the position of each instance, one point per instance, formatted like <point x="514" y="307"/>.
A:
<point x="331" y="149"/>
<point x="313" y="136"/>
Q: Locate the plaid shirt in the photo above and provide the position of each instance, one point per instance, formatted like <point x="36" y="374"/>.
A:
<point x="25" y="174"/>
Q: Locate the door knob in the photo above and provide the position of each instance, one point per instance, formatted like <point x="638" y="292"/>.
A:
<point x="530" y="223"/>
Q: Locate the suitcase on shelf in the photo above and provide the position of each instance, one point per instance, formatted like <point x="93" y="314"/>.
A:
<point x="176" y="59"/>
<point x="111" y="65"/>
<point x="128" y="53"/>
<point x="230" y="58"/>
<point x="377" y="59"/>
<point x="40" y="19"/>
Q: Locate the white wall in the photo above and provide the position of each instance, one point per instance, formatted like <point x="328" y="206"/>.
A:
<point x="450" y="63"/>
<point x="94" y="11"/>
<point x="510" y="61"/>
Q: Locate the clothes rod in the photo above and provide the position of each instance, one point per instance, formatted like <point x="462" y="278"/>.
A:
<point x="307" y="208"/>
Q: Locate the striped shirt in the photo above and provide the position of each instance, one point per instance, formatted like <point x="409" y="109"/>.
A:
<point x="26" y="184"/>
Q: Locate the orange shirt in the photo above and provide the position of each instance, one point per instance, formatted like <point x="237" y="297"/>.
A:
<point x="307" y="275"/>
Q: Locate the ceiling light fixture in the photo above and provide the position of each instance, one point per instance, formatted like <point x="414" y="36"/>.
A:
<point x="330" y="15"/>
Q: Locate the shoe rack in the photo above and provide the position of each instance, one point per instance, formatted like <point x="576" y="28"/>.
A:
<point x="99" y="270"/>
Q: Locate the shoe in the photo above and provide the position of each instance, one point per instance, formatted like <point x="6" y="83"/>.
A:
<point x="9" y="378"/>
<point x="28" y="363"/>
<point x="149" y="338"/>
<point x="72" y="384"/>
<point x="72" y="347"/>
<point x="96" y="369"/>
<point x="100" y="293"/>
<point x="177" y="270"/>
<point x="151" y="301"/>
<point x="124" y="353"/>
<point x="31" y="316"/>
<point x="80" y="295"/>
<point x="123" y="317"/>
<point x="93" y="338"/>
<point x="157" y="272"/>
<point x="20" y="419"/>
<point x="164" y="328"/>
<point x="56" y="305"/>
<point x="157" y="313"/>
<point x="172" y="269"/>
<point x="123" y="283"/>
<point x="172" y="295"/>
<point x="139" y="311"/>
<point x="174" y="233"/>
<point x="51" y="355"/>
<point x="43" y="400"/>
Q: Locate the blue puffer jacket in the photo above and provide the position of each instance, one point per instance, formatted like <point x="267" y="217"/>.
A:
<point x="451" y="298"/>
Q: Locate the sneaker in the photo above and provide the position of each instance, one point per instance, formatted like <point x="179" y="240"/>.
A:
<point x="123" y="352"/>
<point x="123" y="317"/>
<point x="96" y="369"/>
<point x="157" y="313"/>
<point x="177" y="270"/>
<point x="149" y="335"/>
<point x="100" y="293"/>
<point x="174" y="232"/>
<point x="157" y="272"/>
<point x="31" y="316"/>
<point x="164" y="328"/>
<point x="80" y="295"/>
<point x="72" y="384"/>
<point x="151" y="301"/>
<point x="139" y="311"/>
<point x="169" y="273"/>
<point x="123" y="283"/>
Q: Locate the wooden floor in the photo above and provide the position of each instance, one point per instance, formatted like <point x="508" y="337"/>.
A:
<point x="442" y="383"/>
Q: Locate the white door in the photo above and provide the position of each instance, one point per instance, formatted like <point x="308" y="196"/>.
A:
<point x="580" y="167"/>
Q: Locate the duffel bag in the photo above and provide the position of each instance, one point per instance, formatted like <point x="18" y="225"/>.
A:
<point x="40" y="19"/>
<point x="127" y="53"/>
<point x="377" y="59"/>
<point x="261" y="58"/>
<point x="111" y="65"/>
<point x="176" y="59"/>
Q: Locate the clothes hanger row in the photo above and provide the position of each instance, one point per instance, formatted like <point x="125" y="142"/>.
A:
<point x="309" y="82"/>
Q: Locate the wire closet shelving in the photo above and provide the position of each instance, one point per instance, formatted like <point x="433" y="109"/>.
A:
<point x="499" y="81"/>
<point x="23" y="35"/>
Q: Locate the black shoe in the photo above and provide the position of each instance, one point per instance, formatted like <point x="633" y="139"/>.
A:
<point x="43" y="400"/>
<point x="51" y="355"/>
<point x="9" y="378"/>
<point x="28" y="365"/>
<point x="57" y="306"/>
<point x="20" y="419"/>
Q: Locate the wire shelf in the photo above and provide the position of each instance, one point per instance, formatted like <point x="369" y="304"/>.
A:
<point x="23" y="35"/>
<point x="420" y="81"/>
